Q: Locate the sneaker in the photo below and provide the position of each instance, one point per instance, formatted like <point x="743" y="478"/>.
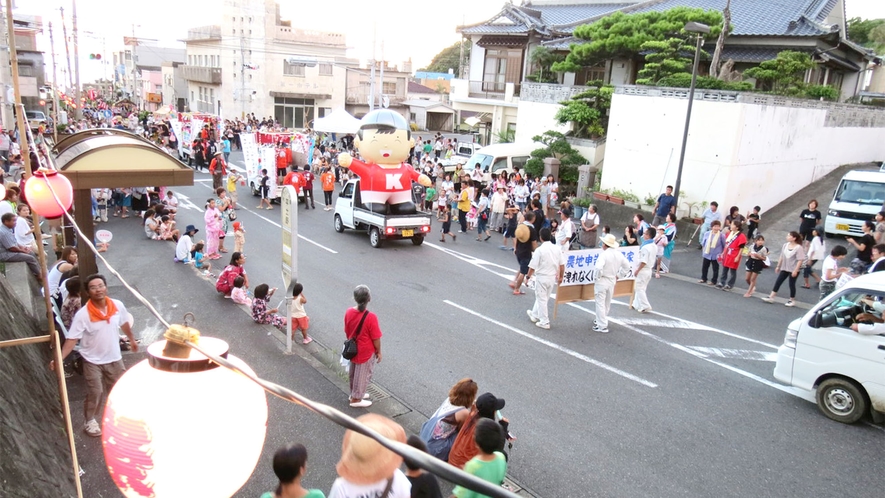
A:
<point x="308" y="340"/>
<point x="790" y="303"/>
<point x="92" y="428"/>
<point x="727" y="288"/>
<point x="365" y="403"/>
<point x="597" y="328"/>
<point x="719" y="286"/>
<point x="367" y="396"/>
<point x="545" y="326"/>
<point x="531" y="316"/>
<point x="768" y="300"/>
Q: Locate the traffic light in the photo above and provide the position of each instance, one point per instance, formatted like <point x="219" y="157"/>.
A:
<point x="95" y="57"/>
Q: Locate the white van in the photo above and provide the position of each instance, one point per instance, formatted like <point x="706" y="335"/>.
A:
<point x="858" y="198"/>
<point x="500" y="158"/>
<point x="844" y="369"/>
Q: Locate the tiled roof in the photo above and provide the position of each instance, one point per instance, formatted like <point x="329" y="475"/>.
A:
<point x="492" y="29"/>
<point x="739" y="53"/>
<point x="419" y="88"/>
<point x="569" y="14"/>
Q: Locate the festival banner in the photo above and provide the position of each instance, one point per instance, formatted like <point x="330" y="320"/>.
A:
<point x="580" y="266"/>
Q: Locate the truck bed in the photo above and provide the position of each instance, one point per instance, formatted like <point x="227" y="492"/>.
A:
<point x="362" y="215"/>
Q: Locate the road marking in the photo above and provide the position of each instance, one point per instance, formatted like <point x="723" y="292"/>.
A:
<point x="740" y="354"/>
<point x="799" y="393"/>
<point x="274" y="223"/>
<point x="557" y="347"/>
<point x="652" y="322"/>
<point x="477" y="262"/>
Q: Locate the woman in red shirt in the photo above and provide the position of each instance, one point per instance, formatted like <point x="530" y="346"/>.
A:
<point x="368" y="346"/>
<point x="731" y="255"/>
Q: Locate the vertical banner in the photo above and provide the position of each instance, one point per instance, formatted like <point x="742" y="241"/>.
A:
<point x="268" y="161"/>
<point x="250" y="154"/>
<point x="176" y="129"/>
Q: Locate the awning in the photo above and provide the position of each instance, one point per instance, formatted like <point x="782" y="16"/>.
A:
<point x="301" y="60"/>
<point x="839" y="61"/>
<point x="288" y="95"/>
<point x="503" y="41"/>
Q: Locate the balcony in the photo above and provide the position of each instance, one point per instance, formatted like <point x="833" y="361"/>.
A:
<point x="491" y="90"/>
<point x="204" y="33"/>
<point x="210" y="75"/>
<point x="361" y="96"/>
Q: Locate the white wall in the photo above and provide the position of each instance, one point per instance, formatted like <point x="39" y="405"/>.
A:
<point x="477" y="60"/>
<point x="621" y="71"/>
<point x="534" y="118"/>
<point x="738" y="153"/>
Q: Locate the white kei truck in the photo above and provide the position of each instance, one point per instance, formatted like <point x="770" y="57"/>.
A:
<point x="351" y="213"/>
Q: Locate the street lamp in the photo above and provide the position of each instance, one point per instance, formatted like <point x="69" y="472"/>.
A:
<point x="700" y="29"/>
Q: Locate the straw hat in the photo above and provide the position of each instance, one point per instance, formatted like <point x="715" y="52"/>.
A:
<point x="523" y="233"/>
<point x="364" y="460"/>
<point x="610" y="241"/>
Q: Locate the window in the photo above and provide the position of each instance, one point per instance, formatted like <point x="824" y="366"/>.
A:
<point x="293" y="113"/>
<point x="347" y="193"/>
<point x="25" y="70"/>
<point x="412" y="117"/>
<point x="590" y="74"/>
<point x="192" y="95"/>
<point x="211" y="95"/>
<point x="389" y="88"/>
<point x="500" y="163"/>
<point x="323" y="112"/>
<point x="841" y="312"/>
<point x="501" y="66"/>
<point x="325" y="69"/>
<point x="190" y="60"/>
<point x="519" y="162"/>
<point x="293" y="69"/>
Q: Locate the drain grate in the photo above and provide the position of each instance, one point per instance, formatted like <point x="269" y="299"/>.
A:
<point x="511" y="486"/>
<point x="377" y="393"/>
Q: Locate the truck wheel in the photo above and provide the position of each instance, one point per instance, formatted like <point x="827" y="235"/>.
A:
<point x="418" y="240"/>
<point x="254" y="190"/>
<point x="828" y="235"/>
<point x="339" y="225"/>
<point x="375" y="237"/>
<point x="841" y="400"/>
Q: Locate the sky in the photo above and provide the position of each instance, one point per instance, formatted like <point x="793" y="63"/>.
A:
<point x="416" y="29"/>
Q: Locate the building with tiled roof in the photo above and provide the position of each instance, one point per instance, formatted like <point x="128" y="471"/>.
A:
<point x="501" y="46"/>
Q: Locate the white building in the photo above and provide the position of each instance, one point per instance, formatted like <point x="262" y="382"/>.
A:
<point x="256" y="62"/>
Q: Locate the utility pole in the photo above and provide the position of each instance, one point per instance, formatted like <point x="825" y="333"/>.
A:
<point x="461" y="54"/>
<point x="64" y="32"/>
<point x="134" y="44"/>
<point x="372" y="72"/>
<point x="243" y="76"/>
<point x="78" y="108"/>
<point x="381" y="93"/>
<point x="5" y="78"/>
<point x="54" y="86"/>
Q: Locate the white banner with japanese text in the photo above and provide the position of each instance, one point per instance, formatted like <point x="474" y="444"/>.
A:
<point x="580" y="266"/>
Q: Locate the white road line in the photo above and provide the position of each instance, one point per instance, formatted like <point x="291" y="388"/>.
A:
<point x="274" y="223"/>
<point x="477" y="262"/>
<point x="740" y="354"/>
<point x="557" y="347"/>
<point x="799" y="393"/>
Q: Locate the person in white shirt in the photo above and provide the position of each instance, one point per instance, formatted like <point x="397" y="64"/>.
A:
<point x="647" y="256"/>
<point x="830" y="271"/>
<point x="499" y="204"/>
<point x="98" y="326"/>
<point x="816" y="252"/>
<point x="24" y="232"/>
<point x="521" y="192"/>
<point x="610" y="263"/>
<point x="547" y="268"/>
<point x="566" y="229"/>
<point x="185" y="245"/>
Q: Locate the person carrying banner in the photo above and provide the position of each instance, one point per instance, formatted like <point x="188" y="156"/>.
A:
<point x="610" y="263"/>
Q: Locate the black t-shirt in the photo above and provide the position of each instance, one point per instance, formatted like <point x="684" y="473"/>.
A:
<point x="524" y="249"/>
<point x="539" y="220"/>
<point x="425" y="486"/>
<point x="810" y="220"/>
<point x="867" y="254"/>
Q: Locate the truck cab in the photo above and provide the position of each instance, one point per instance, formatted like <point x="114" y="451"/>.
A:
<point x="859" y="196"/>
<point x="350" y="212"/>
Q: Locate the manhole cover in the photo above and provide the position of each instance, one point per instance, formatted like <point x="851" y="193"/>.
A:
<point x="377" y="393"/>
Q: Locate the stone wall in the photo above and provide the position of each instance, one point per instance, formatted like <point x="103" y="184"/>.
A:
<point x="35" y="458"/>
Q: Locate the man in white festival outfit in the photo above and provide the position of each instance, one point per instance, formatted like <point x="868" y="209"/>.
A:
<point x="97" y="325"/>
<point x="547" y="268"/>
<point x="610" y="263"/>
<point x="647" y="256"/>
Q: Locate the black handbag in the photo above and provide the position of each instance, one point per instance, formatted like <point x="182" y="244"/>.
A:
<point x="350" y="349"/>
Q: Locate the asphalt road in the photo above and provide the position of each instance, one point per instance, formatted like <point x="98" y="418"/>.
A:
<point x="679" y="402"/>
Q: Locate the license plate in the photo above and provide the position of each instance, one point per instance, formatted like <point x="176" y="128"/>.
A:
<point x="842" y="226"/>
<point x="408" y="233"/>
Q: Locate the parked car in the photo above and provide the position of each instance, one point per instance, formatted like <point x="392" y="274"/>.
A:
<point x="844" y="369"/>
<point x="498" y="158"/>
<point x="859" y="196"/>
<point x="36" y="118"/>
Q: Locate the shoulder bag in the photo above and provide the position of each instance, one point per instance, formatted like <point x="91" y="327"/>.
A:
<point x="350" y="348"/>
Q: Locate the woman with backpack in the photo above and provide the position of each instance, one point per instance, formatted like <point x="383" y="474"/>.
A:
<point x="225" y="282"/>
<point x="440" y="430"/>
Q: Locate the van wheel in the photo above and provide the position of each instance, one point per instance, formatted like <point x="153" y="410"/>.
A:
<point x="828" y="235"/>
<point x="841" y="400"/>
<point x="339" y="225"/>
<point x="375" y="237"/>
<point x="418" y="240"/>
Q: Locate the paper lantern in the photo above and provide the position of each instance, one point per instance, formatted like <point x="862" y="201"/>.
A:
<point x="40" y="197"/>
<point x="183" y="427"/>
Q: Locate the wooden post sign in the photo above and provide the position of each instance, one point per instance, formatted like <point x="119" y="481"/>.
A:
<point x="580" y="275"/>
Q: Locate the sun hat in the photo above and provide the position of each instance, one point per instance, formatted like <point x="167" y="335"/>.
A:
<point x="191" y="228"/>
<point x="218" y="153"/>
<point x="610" y="241"/>
<point x="487" y="404"/>
<point x="523" y="233"/>
<point x="662" y="227"/>
<point x="364" y="460"/>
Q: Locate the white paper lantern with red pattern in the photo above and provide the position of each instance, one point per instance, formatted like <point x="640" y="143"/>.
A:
<point x="39" y="195"/>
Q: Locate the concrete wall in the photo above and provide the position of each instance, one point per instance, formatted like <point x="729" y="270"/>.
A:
<point x="34" y="456"/>
<point x="534" y="118"/>
<point x="743" y="149"/>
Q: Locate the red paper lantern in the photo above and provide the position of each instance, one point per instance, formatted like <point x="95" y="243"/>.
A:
<point x="40" y="197"/>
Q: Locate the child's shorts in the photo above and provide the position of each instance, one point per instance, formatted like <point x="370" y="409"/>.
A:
<point x="302" y="323"/>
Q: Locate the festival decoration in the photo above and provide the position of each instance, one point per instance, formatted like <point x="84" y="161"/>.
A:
<point x="40" y="197"/>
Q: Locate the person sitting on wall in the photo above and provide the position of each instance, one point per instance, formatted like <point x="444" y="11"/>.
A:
<point x="384" y="140"/>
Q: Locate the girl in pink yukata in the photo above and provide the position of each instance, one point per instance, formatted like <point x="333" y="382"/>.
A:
<point x="239" y="294"/>
<point x="260" y="313"/>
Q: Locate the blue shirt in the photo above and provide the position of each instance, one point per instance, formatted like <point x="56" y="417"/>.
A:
<point x="665" y="203"/>
<point x="225" y="146"/>
<point x="710" y="216"/>
<point x="718" y="245"/>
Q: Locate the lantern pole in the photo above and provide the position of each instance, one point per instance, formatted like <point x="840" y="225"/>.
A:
<point x="50" y="319"/>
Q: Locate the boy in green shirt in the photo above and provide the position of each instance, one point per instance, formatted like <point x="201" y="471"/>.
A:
<point x="429" y="194"/>
<point x="489" y="465"/>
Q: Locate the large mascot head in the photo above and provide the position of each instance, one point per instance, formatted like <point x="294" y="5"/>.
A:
<point x="384" y="138"/>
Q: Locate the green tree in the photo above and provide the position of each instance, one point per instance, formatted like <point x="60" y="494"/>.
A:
<point x="622" y="35"/>
<point x="784" y="74"/>
<point x="556" y="146"/>
<point x="543" y="58"/>
<point x="665" y="58"/>
<point x="867" y="32"/>
<point x="588" y="111"/>
<point x="448" y="58"/>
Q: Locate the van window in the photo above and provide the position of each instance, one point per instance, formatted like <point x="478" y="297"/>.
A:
<point x="348" y="191"/>
<point x="484" y="161"/>
<point x="519" y="162"/>
<point x="844" y="309"/>
<point x="500" y="163"/>
<point x="860" y="192"/>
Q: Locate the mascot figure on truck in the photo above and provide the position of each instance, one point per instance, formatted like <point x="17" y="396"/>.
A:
<point x="384" y="140"/>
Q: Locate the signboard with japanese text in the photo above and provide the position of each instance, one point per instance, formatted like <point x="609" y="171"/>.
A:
<point x="580" y="266"/>
<point x="250" y="154"/>
<point x="289" y="214"/>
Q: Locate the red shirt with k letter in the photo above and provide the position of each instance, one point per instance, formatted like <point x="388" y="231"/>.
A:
<point x="378" y="184"/>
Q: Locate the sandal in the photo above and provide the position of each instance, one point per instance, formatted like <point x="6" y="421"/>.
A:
<point x="518" y="292"/>
<point x="806" y="286"/>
